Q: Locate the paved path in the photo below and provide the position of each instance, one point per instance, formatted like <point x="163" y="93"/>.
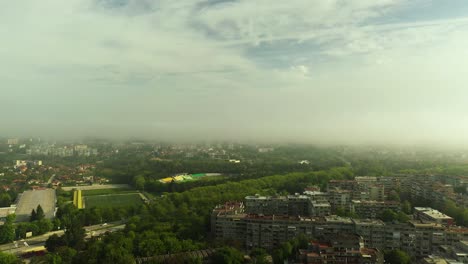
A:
<point x="97" y="187"/>
<point x="144" y="198"/>
<point x="51" y="179"/>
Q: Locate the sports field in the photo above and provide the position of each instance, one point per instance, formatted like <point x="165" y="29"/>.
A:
<point x="113" y="200"/>
<point x="190" y="177"/>
<point x="107" y="191"/>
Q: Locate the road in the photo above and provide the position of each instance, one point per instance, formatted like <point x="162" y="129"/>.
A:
<point x="38" y="241"/>
<point x="97" y="187"/>
<point x="51" y="179"/>
<point x="144" y="198"/>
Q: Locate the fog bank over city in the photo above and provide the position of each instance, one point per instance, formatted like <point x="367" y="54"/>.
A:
<point x="390" y="71"/>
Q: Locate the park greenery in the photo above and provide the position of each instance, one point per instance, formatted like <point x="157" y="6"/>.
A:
<point x="175" y="222"/>
<point x="178" y="217"/>
<point x="7" y="230"/>
<point x="6" y="258"/>
<point x="397" y="257"/>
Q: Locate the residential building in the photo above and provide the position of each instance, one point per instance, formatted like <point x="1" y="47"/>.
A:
<point x="13" y="141"/>
<point x="227" y="222"/>
<point x="278" y="205"/>
<point x="432" y="215"/>
<point x="340" y="198"/>
<point x="346" y="248"/>
<point x="373" y="232"/>
<point x="372" y="209"/>
<point x="320" y="208"/>
<point x="317" y="195"/>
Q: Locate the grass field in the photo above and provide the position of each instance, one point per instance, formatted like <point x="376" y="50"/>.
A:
<point x="107" y="191"/>
<point x="113" y="200"/>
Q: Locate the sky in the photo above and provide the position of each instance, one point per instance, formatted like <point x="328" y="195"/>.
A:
<point x="336" y="71"/>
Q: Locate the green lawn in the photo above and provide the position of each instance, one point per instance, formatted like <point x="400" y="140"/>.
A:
<point x="106" y="191"/>
<point x="113" y="200"/>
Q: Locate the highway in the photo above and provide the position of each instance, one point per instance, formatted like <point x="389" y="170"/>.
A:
<point x="20" y="246"/>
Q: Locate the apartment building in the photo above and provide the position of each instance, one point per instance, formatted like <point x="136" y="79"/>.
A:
<point x="416" y="237"/>
<point x="372" y="231"/>
<point x="316" y="195"/>
<point x="431" y="215"/>
<point x="347" y="248"/>
<point x="372" y="209"/>
<point x="320" y="208"/>
<point x="278" y="205"/>
<point x="340" y="198"/>
<point x="271" y="231"/>
<point x="227" y="222"/>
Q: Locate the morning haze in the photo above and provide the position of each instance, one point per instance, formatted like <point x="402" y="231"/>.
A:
<point x="354" y="72"/>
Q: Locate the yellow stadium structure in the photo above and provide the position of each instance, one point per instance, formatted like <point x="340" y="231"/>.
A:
<point x="166" y="180"/>
<point x="178" y="178"/>
<point x="77" y="199"/>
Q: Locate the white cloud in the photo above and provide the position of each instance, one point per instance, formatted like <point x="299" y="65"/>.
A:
<point x="301" y="69"/>
<point x="186" y="64"/>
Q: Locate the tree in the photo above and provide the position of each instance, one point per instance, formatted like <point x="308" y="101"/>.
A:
<point x="388" y="215"/>
<point x="66" y="254"/>
<point x="406" y="207"/>
<point x="194" y="260"/>
<point x="23" y="228"/>
<point x="300" y="242"/>
<point x="259" y="256"/>
<point x="56" y="223"/>
<point x="92" y="216"/>
<point x="228" y="255"/>
<point x="75" y="234"/>
<point x="33" y="216"/>
<point x="397" y="257"/>
<point x="139" y="182"/>
<point x="51" y="258"/>
<point x="278" y="257"/>
<point x="393" y="196"/>
<point x="7" y="230"/>
<point x="340" y="211"/>
<point x="5" y="199"/>
<point x="8" y="258"/>
<point x="39" y="213"/>
<point x="44" y="226"/>
<point x="460" y="189"/>
<point x="7" y="233"/>
<point x="402" y="217"/>
<point x="54" y="242"/>
<point x="10" y="219"/>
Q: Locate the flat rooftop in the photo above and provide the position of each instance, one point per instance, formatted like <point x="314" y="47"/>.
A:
<point x="312" y="193"/>
<point x="338" y="219"/>
<point x="320" y="204"/>
<point x="433" y="213"/>
<point x="368" y="222"/>
<point x="371" y="202"/>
